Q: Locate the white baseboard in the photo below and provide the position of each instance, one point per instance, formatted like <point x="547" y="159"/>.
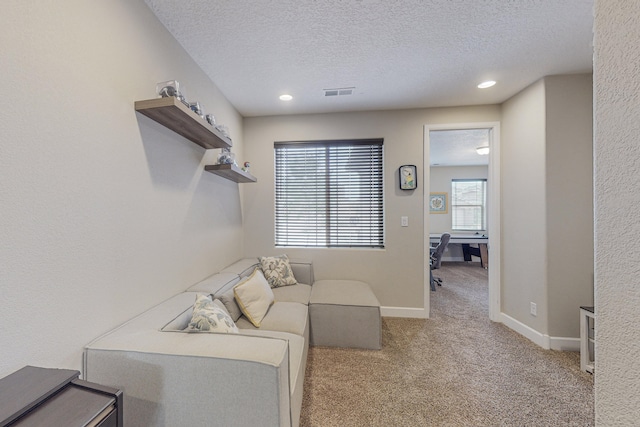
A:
<point x="412" y="312"/>
<point x="543" y="340"/>
<point x="564" y="343"/>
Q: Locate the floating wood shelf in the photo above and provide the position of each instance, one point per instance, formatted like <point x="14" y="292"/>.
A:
<point x="231" y="172"/>
<point x="173" y="114"/>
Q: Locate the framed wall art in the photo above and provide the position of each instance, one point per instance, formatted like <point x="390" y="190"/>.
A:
<point x="408" y="177"/>
<point x="438" y="203"/>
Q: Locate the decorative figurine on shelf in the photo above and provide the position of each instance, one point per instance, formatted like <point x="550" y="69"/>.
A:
<point x="223" y="129"/>
<point x="210" y="119"/>
<point x="226" y="157"/>
<point x="196" y="108"/>
<point x="171" y="88"/>
<point x="246" y="167"/>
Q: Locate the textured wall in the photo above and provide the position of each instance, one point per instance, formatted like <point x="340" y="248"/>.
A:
<point x="104" y="213"/>
<point x="396" y="273"/>
<point x="617" y="218"/>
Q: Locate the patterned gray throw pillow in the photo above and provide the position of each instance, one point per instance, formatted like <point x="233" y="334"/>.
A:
<point x="277" y="271"/>
<point x="209" y="316"/>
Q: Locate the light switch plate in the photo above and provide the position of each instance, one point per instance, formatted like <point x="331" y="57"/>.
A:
<point x="404" y="221"/>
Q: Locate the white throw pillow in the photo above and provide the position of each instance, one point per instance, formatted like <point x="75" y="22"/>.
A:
<point x="254" y="296"/>
<point x="277" y="271"/>
<point x="210" y="316"/>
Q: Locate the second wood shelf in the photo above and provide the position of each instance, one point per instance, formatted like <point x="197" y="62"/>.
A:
<point x="231" y="172"/>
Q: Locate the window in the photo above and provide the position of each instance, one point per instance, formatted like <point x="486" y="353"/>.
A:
<point x="468" y="204"/>
<point x="329" y="194"/>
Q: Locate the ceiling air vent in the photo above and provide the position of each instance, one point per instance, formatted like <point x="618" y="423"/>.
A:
<point x="341" y="91"/>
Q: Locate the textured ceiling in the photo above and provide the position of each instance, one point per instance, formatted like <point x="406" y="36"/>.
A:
<point x="457" y="147"/>
<point x="396" y="53"/>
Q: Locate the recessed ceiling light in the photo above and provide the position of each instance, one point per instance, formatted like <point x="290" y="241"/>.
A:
<point x="486" y="84"/>
<point x="286" y="97"/>
<point x="483" y="151"/>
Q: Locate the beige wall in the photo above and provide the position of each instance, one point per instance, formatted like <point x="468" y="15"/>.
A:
<point x="441" y="177"/>
<point x="524" y="245"/>
<point x="395" y="273"/>
<point x="104" y="213"/>
<point x="569" y="188"/>
<point x="617" y="198"/>
<point x="547" y="211"/>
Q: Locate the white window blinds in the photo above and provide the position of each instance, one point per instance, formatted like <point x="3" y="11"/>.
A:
<point x="468" y="204"/>
<point x="329" y="194"/>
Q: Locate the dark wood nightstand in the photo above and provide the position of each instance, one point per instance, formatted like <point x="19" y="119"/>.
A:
<point x="39" y="397"/>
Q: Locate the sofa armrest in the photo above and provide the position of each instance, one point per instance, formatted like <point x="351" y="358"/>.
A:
<point x="175" y="378"/>
<point x="180" y="378"/>
<point x="302" y="271"/>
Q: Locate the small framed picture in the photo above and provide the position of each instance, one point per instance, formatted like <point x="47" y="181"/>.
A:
<point x="408" y="177"/>
<point x="438" y="203"/>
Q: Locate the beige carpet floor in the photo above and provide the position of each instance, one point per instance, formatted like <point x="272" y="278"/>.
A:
<point x="455" y="369"/>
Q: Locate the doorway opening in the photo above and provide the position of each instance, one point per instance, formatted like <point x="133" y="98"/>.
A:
<point x="460" y="142"/>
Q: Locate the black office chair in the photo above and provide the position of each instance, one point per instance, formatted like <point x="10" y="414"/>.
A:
<point x="435" y="259"/>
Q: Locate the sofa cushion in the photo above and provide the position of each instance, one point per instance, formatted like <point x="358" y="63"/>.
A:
<point x="289" y="317"/>
<point x="343" y="292"/>
<point x="180" y="322"/>
<point x="299" y="293"/>
<point x="215" y="282"/>
<point x="243" y="267"/>
<point x="254" y="297"/>
<point x="210" y="316"/>
<point x="229" y="301"/>
<point x="277" y="271"/>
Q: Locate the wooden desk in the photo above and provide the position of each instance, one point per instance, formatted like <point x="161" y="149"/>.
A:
<point x="466" y="240"/>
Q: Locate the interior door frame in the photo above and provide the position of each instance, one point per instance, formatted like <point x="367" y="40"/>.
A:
<point x="495" y="208"/>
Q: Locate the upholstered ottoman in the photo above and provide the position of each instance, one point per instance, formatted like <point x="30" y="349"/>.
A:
<point x="344" y="313"/>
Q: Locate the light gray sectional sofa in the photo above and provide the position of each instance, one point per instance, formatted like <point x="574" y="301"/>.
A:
<point x="172" y="377"/>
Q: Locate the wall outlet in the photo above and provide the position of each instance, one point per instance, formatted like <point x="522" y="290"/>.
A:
<point x="534" y="309"/>
<point x="404" y="221"/>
